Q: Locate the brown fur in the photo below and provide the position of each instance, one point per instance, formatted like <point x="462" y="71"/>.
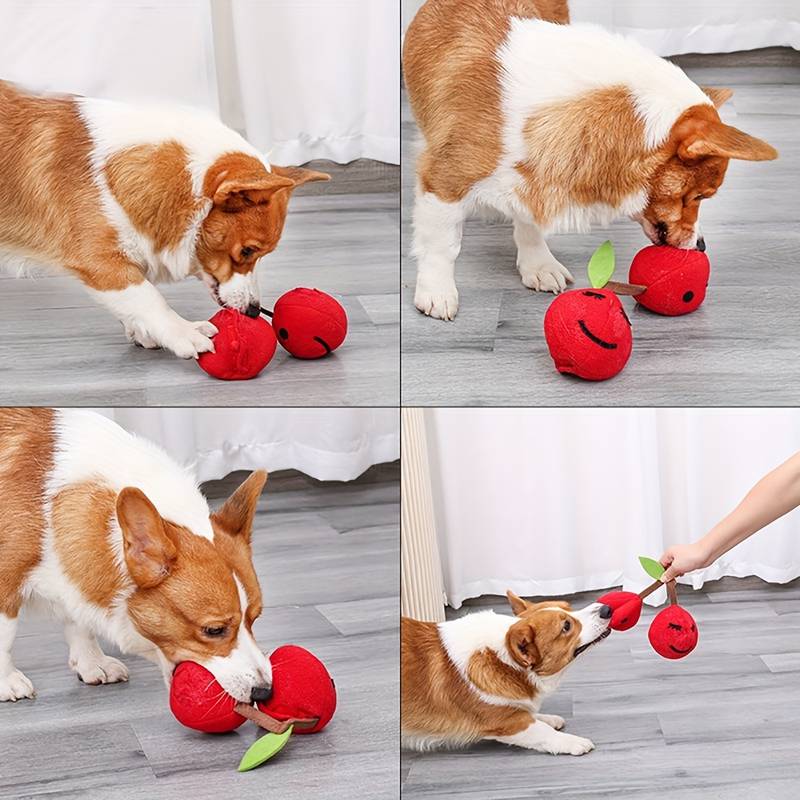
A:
<point x="435" y="700"/>
<point x="153" y="185"/>
<point x="26" y="447"/>
<point x="493" y="676"/>
<point x="452" y="81"/>
<point x="249" y="211"/>
<point x="81" y="518"/>
<point x="49" y="205"/>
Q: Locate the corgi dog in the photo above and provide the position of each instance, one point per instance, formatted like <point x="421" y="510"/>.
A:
<point x="124" y="196"/>
<point x="555" y="127"/>
<point x="102" y="530"/>
<point x="485" y="675"/>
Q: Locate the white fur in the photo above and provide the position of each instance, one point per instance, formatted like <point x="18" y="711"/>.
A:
<point x="117" y="126"/>
<point x="89" y="447"/>
<point x="240" y="290"/>
<point x="246" y="666"/>
<point x="149" y="320"/>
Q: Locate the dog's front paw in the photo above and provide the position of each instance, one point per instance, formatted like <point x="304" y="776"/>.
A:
<point x="574" y="745"/>
<point x="548" y="277"/>
<point x="553" y="720"/>
<point x="437" y="299"/>
<point x="189" y="339"/>
<point x="15" y="686"/>
<point x="105" y="669"/>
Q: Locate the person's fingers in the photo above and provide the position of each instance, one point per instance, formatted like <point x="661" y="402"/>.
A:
<point x="670" y="573"/>
<point x="666" y="558"/>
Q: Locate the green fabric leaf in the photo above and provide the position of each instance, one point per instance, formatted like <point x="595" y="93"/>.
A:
<point x="651" y="567"/>
<point x="263" y="749"/>
<point x="601" y="265"/>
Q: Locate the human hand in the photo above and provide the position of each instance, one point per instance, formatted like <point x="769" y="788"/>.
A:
<point x="682" y="558"/>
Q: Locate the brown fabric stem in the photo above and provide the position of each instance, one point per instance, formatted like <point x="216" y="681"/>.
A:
<point x="672" y="592"/>
<point x="650" y="589"/>
<point x="271" y="724"/>
<point x="631" y="289"/>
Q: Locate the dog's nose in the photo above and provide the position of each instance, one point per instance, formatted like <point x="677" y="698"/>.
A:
<point x="605" y="612"/>
<point x="260" y="694"/>
<point x="701" y="244"/>
<point x="253" y="310"/>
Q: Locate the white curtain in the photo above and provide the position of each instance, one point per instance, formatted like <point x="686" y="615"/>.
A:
<point x="301" y="79"/>
<point x="327" y="444"/>
<point x="549" y="502"/>
<point x="687" y="26"/>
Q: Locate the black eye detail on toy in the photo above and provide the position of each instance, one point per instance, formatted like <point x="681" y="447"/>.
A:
<point x="596" y="295"/>
<point x="688" y="297"/>
<point x="675" y="626"/>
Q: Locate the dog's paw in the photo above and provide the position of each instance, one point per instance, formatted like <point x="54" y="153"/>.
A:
<point x="553" y="720"/>
<point x="15" y="686"/>
<point x="548" y="277"/>
<point x="140" y="337"/>
<point x="189" y="339"/>
<point x="439" y="299"/>
<point x="574" y="745"/>
<point x="105" y="669"/>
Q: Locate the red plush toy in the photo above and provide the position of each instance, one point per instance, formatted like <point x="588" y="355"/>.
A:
<point x="301" y="688"/>
<point x="626" y="607"/>
<point x="309" y="323"/>
<point x="673" y="632"/>
<point x="675" y="279"/>
<point x="199" y="702"/>
<point x="243" y="346"/>
<point x="588" y="333"/>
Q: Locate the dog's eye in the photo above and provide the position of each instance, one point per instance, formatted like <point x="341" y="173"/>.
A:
<point x="246" y="252"/>
<point x="215" y="632"/>
<point x="567" y="626"/>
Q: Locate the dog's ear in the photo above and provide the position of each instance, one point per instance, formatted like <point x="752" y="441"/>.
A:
<point x="299" y="175"/>
<point x="149" y="551"/>
<point x="715" y="138"/>
<point x="718" y="96"/>
<point x="243" y="191"/>
<point x="521" y="644"/>
<point x="518" y="605"/>
<point x="237" y="512"/>
<point x="550" y="604"/>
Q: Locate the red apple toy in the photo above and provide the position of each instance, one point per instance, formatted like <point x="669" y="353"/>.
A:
<point x="309" y="323"/>
<point x="588" y="334"/>
<point x="675" y="279"/>
<point x="673" y="632"/>
<point x="242" y="348"/>
<point x="199" y="702"/>
<point x="626" y="608"/>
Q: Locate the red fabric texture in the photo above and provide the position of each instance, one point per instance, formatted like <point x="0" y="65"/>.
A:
<point x="199" y="702"/>
<point x="244" y="346"/>
<point x="306" y="320"/>
<point x="301" y="687"/>
<point x="626" y="606"/>
<point x="676" y="279"/>
<point x="673" y="632"/>
<point x="588" y="333"/>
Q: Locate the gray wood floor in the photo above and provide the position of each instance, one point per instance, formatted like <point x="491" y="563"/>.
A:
<point x="327" y="558"/>
<point x="58" y="348"/>
<point x="722" y="723"/>
<point x="740" y="348"/>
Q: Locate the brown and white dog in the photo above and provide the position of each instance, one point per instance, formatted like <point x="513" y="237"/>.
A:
<point x="104" y="531"/>
<point x="556" y="127"/>
<point x="485" y="675"/>
<point x="124" y="196"/>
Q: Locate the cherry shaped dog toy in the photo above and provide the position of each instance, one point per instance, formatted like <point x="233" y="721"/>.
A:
<point x="199" y="702"/>
<point x="309" y="323"/>
<point x="626" y="606"/>
<point x="674" y="280"/>
<point x="242" y="348"/>
<point x="673" y="633"/>
<point x="588" y="334"/>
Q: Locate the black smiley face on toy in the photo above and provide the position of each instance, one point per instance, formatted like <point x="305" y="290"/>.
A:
<point x="676" y="279"/>
<point x="588" y="333"/>
<point x="309" y="323"/>
<point x="673" y="632"/>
